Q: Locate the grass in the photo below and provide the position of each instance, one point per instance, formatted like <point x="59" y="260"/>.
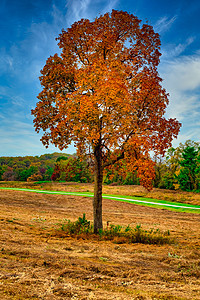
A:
<point x="161" y="204"/>
<point x="125" y="190"/>
<point x="40" y="260"/>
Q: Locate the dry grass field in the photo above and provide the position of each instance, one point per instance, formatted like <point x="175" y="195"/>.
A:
<point x="39" y="261"/>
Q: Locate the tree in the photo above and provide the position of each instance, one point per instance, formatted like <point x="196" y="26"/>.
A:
<point x="48" y="173"/>
<point x="2" y="170"/>
<point x="71" y="169"/>
<point x="104" y="93"/>
<point x="9" y="174"/>
<point x="35" y="177"/>
<point x="77" y="170"/>
<point x="171" y="171"/>
<point x="187" y="177"/>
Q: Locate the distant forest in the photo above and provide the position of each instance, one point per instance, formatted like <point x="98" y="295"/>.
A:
<point x="29" y="168"/>
<point x="179" y="169"/>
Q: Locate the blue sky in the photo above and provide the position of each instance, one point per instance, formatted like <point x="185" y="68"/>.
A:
<point x="28" y="29"/>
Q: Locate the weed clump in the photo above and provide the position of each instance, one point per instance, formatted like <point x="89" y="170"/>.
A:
<point x="136" y="235"/>
<point x="116" y="233"/>
<point x="78" y="227"/>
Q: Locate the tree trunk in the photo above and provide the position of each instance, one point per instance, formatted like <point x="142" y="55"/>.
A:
<point x="98" y="181"/>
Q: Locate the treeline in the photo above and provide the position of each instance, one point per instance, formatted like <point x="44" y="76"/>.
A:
<point x="74" y="169"/>
<point x="28" y="168"/>
<point x="179" y="169"/>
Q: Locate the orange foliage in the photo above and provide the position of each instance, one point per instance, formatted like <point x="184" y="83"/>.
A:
<point x="35" y="177"/>
<point x="104" y="91"/>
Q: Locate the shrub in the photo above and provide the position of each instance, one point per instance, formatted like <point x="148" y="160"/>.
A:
<point x="77" y="227"/>
<point x="117" y="233"/>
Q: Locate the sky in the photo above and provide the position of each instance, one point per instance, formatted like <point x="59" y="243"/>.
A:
<point x="28" y="29"/>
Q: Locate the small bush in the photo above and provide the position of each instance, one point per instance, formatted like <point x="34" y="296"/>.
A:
<point x="153" y="236"/>
<point x="117" y="233"/>
<point x="78" y="227"/>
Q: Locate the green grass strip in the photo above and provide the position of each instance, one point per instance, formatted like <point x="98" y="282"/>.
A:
<point x="181" y="207"/>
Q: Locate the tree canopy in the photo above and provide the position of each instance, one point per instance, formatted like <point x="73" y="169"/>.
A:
<point x="104" y="94"/>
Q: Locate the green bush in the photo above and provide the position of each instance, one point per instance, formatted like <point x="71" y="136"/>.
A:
<point x="153" y="236"/>
<point x="117" y="233"/>
<point x="77" y="227"/>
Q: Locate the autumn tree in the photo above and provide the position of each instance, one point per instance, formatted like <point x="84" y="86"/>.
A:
<point x="9" y="174"/>
<point x="77" y="170"/>
<point x="104" y="93"/>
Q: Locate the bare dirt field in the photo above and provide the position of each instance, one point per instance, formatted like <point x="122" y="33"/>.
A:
<point x="38" y="261"/>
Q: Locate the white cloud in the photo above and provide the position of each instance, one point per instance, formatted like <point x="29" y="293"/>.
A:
<point x="19" y="138"/>
<point x="111" y="5"/>
<point x="164" y="24"/>
<point x="77" y="9"/>
<point x="182" y="81"/>
<point x="172" y="50"/>
<point x="182" y="74"/>
<point x="18" y="101"/>
<point x="185" y="135"/>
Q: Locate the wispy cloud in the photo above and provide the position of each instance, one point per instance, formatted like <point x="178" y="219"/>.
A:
<point x="17" y="100"/>
<point x="111" y="5"/>
<point x="164" y="24"/>
<point x="173" y="50"/>
<point x="21" y="135"/>
<point x="6" y="61"/>
<point x="25" y="58"/>
<point x="77" y="9"/>
<point x="21" y="63"/>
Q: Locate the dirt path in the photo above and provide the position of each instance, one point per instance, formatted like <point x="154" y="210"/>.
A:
<point x="38" y="262"/>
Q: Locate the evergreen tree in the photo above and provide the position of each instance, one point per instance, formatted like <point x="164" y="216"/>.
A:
<point x="187" y="177"/>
